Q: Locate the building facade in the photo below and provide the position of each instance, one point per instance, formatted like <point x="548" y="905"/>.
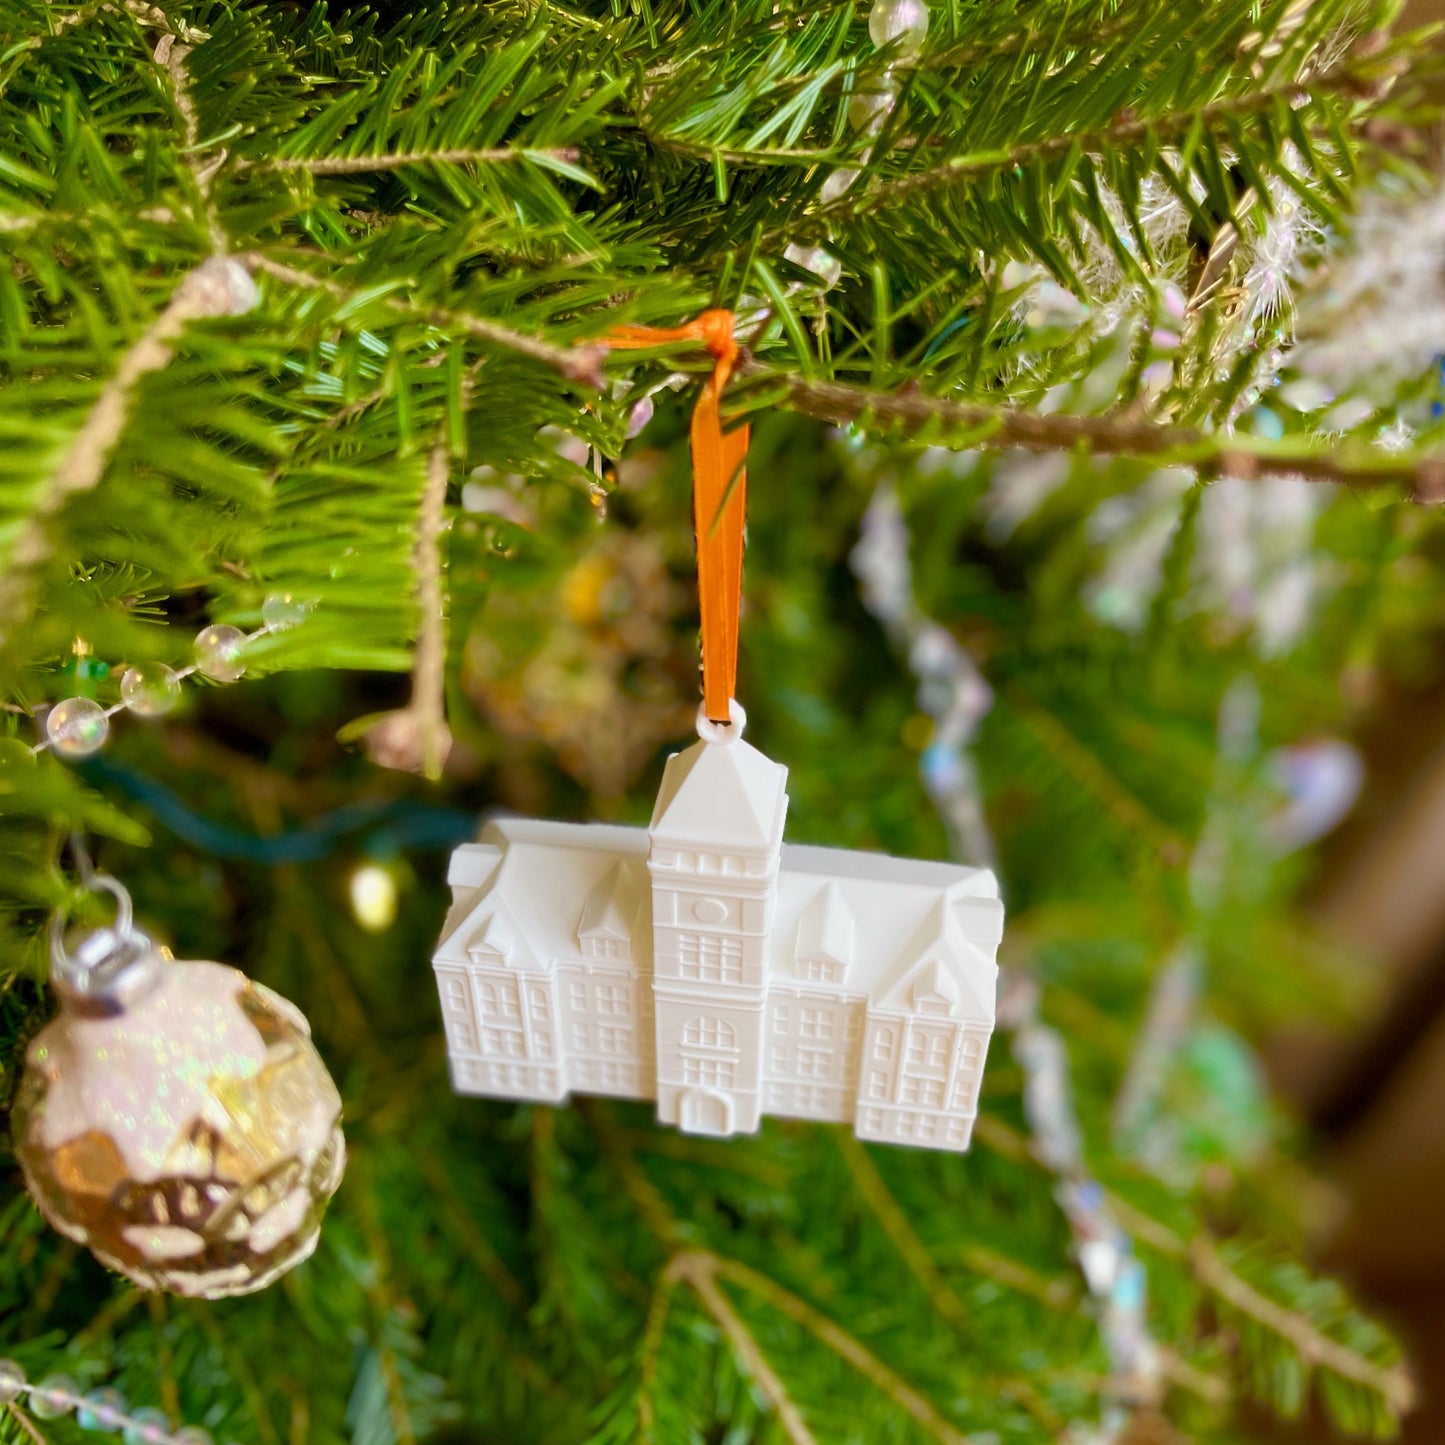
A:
<point x="705" y="964"/>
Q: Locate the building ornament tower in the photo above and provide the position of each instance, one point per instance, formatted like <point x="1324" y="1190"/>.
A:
<point x="707" y="965"/>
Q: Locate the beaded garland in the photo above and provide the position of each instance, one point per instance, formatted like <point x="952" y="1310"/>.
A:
<point x="76" y="727"/>
<point x="99" y="1409"/>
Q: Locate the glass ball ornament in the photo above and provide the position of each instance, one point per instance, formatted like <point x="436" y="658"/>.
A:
<point x="900" y="23"/>
<point x="218" y="651"/>
<point x="150" y="689"/>
<point x="77" y="727"/>
<point x="176" y="1119"/>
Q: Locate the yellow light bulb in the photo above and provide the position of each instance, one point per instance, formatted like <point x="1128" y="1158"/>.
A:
<point x="373" y="897"/>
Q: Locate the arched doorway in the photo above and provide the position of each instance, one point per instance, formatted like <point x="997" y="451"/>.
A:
<point x="704" y="1112"/>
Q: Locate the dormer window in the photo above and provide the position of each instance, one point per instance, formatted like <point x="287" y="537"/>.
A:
<point x="825" y="937"/>
<point x="606" y="949"/>
<point x="604" y="932"/>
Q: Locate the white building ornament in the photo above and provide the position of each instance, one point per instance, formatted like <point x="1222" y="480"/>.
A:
<point x="707" y="965"/>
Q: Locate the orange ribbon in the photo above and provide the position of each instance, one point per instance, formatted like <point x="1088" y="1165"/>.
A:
<point x="719" y="500"/>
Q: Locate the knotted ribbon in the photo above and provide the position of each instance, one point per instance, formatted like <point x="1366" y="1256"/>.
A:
<point x="719" y="500"/>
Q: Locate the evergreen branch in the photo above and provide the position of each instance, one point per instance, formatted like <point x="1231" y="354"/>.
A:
<point x="1179" y="1371"/>
<point x="968" y="424"/>
<point x="1392" y="1383"/>
<point x="23" y="1420"/>
<point x="357" y="165"/>
<point x="207" y="292"/>
<point x="425" y="713"/>
<point x="380" y="1293"/>
<point x="171" y="54"/>
<point x="1349" y="77"/>
<point x="700" y="1271"/>
<point x="896" y="1225"/>
<point x="1115" y="798"/>
<point x="469" y="1232"/>
<point x="582" y="364"/>
<point x="648" y="1357"/>
<point x="837" y="1339"/>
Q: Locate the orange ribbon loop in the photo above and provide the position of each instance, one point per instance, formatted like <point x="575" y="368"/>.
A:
<point x="719" y="500"/>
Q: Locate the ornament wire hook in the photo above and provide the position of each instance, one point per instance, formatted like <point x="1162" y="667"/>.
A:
<point x="109" y="965"/>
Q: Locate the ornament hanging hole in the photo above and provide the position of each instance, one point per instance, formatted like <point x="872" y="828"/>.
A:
<point x="712" y="731"/>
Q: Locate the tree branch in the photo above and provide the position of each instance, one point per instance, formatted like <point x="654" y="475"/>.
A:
<point x="1126" y="129"/>
<point x="357" y="165"/>
<point x="700" y="1271"/>
<point x="210" y="290"/>
<point x="582" y="364"/>
<point x="896" y="1225"/>
<point x="968" y="424"/>
<point x="837" y="1339"/>
<point x="1391" y="1382"/>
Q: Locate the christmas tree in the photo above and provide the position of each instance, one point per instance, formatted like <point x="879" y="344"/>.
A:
<point x="1089" y="350"/>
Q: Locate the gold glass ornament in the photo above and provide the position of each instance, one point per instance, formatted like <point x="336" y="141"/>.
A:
<point x="176" y="1118"/>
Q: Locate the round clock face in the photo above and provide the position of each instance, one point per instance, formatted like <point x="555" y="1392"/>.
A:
<point x="709" y="910"/>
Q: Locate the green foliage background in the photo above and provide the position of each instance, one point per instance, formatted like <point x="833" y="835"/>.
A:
<point x="440" y="210"/>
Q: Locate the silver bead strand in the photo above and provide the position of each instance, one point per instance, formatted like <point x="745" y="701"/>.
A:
<point x="902" y="24"/>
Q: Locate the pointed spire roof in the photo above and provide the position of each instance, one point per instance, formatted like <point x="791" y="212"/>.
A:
<point x="720" y="795"/>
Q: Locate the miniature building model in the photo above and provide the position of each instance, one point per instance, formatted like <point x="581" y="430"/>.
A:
<point x="707" y="965"/>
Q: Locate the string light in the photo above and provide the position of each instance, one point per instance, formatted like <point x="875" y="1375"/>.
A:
<point x="373" y="897"/>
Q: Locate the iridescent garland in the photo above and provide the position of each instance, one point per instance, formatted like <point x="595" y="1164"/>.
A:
<point x="952" y="691"/>
<point x="100" y="1409"/>
<point x="76" y="727"/>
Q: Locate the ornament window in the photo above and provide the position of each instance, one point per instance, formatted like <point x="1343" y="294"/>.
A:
<point x="928" y="1092"/>
<point x="709" y="1033"/>
<point x="782" y="1018"/>
<point x="883" y="1046"/>
<point x="878" y="1084"/>
<point x="506" y="1042"/>
<point x="613" y="1040"/>
<point x="707" y="958"/>
<point x="498" y="1001"/>
<point x="607" y="950"/>
<point x="709" y="1072"/>
<point x="822" y="970"/>
<point x="815" y="1023"/>
<point x="814" y="1063"/>
<point x="613" y="998"/>
<point x="929" y="1051"/>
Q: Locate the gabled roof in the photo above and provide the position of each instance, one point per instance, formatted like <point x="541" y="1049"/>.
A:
<point x="611" y="907"/>
<point x="721" y="795"/>
<point x="544" y="869"/>
<point x="905" y="913"/>
<point x="826" y="929"/>
<point x="496" y="932"/>
<point x="943" y="963"/>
